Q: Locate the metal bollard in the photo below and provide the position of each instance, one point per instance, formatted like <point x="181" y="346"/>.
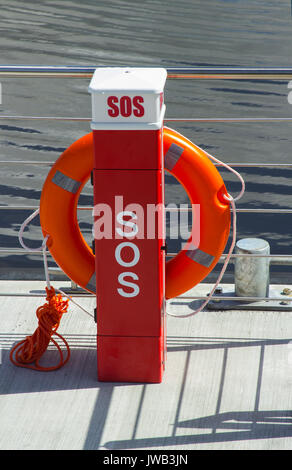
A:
<point x="252" y="281"/>
<point x="252" y="274"/>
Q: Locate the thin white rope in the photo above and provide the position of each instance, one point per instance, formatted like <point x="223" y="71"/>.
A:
<point x="74" y="302"/>
<point x="225" y="165"/>
<point x="231" y="200"/>
<point x="43" y="248"/>
<point x="240" y="194"/>
<point x="22" y="228"/>
<point x="227" y="259"/>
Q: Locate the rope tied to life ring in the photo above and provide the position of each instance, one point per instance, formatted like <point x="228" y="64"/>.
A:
<point x="31" y="349"/>
<point x="28" y="352"/>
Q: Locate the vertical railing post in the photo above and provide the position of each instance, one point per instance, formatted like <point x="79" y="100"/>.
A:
<point x="127" y="123"/>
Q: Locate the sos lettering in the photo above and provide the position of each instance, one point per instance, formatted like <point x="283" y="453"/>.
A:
<point x="125" y="106"/>
<point x="130" y="233"/>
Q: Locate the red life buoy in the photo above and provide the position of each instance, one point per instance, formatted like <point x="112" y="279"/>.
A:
<point x="186" y="162"/>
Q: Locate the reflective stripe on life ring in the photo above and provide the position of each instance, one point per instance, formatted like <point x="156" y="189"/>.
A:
<point x="58" y="212"/>
<point x="190" y="166"/>
<point x="204" y="186"/>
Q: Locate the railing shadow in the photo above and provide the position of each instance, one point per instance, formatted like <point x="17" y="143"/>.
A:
<point x="219" y="427"/>
<point x="252" y="425"/>
<point x="79" y="373"/>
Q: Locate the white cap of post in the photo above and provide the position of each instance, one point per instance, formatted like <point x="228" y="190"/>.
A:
<point x="127" y="98"/>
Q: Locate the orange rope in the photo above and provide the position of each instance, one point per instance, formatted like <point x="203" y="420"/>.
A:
<point x="31" y="349"/>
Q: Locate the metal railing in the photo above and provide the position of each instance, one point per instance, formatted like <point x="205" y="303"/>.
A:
<point x="210" y="73"/>
<point x="205" y="73"/>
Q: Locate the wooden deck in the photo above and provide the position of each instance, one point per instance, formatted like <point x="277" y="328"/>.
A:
<point x="227" y="384"/>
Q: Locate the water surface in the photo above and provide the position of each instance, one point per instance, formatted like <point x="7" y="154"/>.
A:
<point x="148" y="33"/>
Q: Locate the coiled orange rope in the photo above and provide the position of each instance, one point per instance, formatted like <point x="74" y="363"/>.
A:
<point x="32" y="348"/>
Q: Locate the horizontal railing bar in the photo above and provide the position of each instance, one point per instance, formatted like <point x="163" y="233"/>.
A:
<point x="71" y="71"/>
<point x="258" y="165"/>
<point x="167" y="209"/>
<point x="21" y="251"/>
<point x="231" y="119"/>
<point x="40" y="294"/>
<point x="20" y="162"/>
<point x="237" y="165"/>
<point x="241" y="73"/>
<point x="44" y="118"/>
<point x="229" y="76"/>
<point x="88" y="119"/>
<point x="223" y="297"/>
<point x="283" y="260"/>
<point x="254" y="255"/>
<point x="85" y="295"/>
<point x="247" y="255"/>
<point x="240" y="299"/>
<point x="33" y="208"/>
<point x="245" y="210"/>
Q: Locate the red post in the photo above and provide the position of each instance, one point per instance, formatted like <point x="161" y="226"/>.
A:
<point x="128" y="110"/>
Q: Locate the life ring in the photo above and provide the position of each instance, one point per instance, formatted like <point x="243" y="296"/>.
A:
<point x="186" y="162"/>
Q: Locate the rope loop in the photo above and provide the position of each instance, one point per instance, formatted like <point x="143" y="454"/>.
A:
<point x="32" y="348"/>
